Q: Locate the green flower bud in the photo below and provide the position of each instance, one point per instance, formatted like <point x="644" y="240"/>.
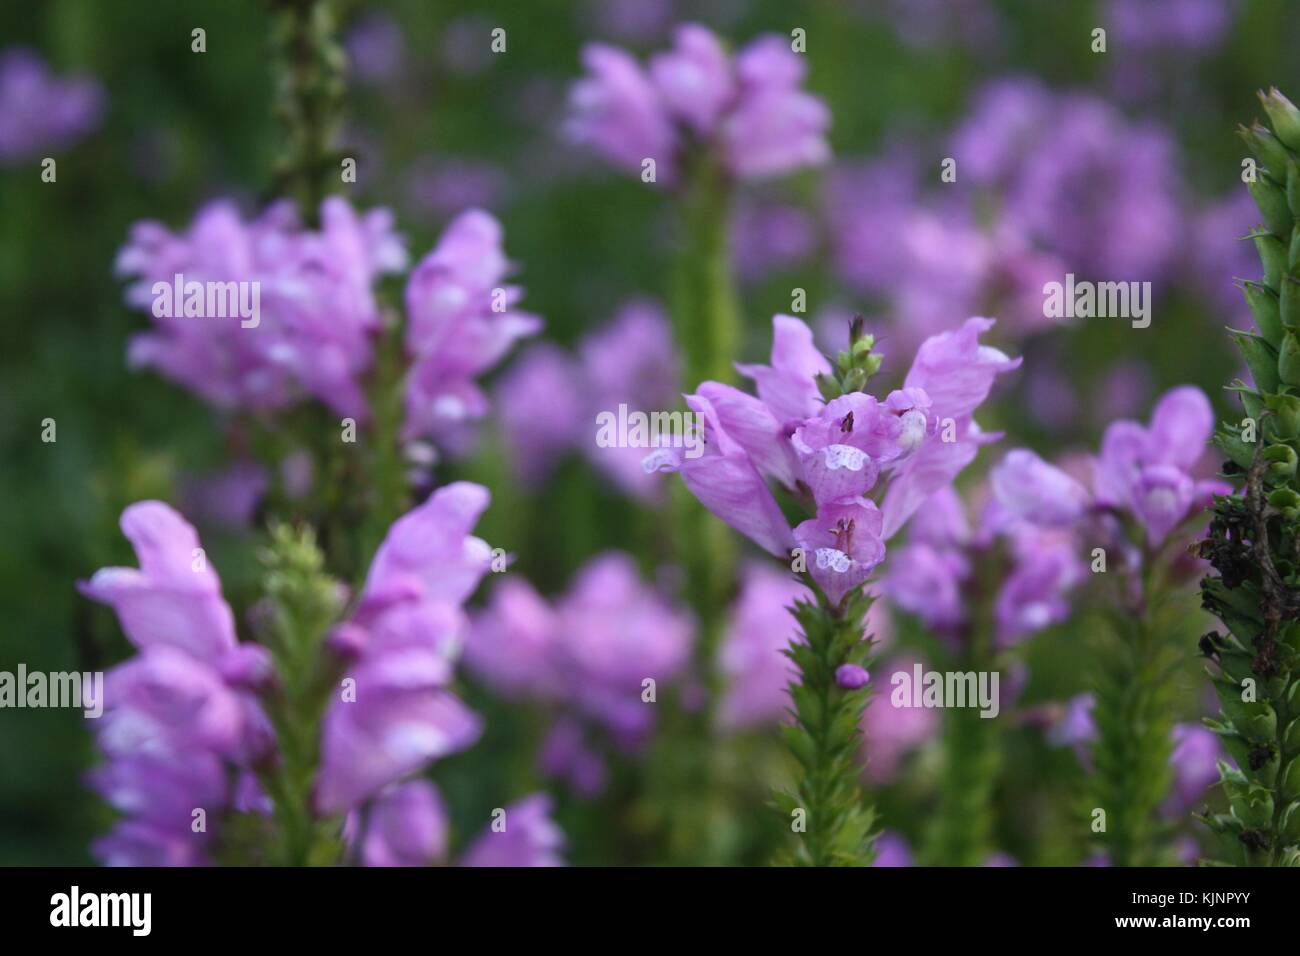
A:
<point x="1286" y="501"/>
<point x="1291" y="823"/>
<point x="855" y="380"/>
<point x="1281" y="460"/>
<point x="1251" y="804"/>
<point x="1261" y="359"/>
<point x="1265" y="310"/>
<point x="1265" y="146"/>
<point x="1284" y="116"/>
<point x="1271" y="200"/>
<point x="1273" y="254"/>
<point x="1291" y="739"/>
<point x="1293" y="187"/>
<point x="1286" y="415"/>
<point x="1288" y="302"/>
<point x="829" y="387"/>
<point x="1288" y="362"/>
<point x="1290" y="780"/>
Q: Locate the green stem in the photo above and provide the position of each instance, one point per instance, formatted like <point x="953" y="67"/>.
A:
<point x="388" y="482"/>
<point x="706" y="320"/>
<point x="826" y="739"/>
<point x="309" y="101"/>
<point x="1134" y="718"/>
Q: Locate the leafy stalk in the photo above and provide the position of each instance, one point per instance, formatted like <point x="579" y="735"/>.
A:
<point x="1253" y="543"/>
<point x="1134" y="717"/>
<point x="309" y="101"/>
<point x="302" y="604"/>
<point x="826" y="807"/>
<point x="963" y="829"/>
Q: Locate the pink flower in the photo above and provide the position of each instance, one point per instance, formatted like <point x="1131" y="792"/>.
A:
<point x="461" y="321"/>
<point x="842" y="545"/>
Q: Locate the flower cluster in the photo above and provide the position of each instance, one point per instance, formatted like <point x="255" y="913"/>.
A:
<point x="747" y="112"/>
<point x="461" y="320"/>
<point x="933" y="574"/>
<point x="39" y="111"/>
<point x="1144" y="479"/>
<point x="318" y="317"/>
<point x="549" y="400"/>
<point x="182" y="729"/>
<point x="401" y="644"/>
<point x="832" y="453"/>
<point x="595" y="654"/>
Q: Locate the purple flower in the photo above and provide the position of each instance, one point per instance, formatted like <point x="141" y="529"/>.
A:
<point x="851" y="676"/>
<point x="1195" y="759"/>
<point x="926" y="580"/>
<point x="175" y="596"/>
<point x="892" y="850"/>
<point x="461" y="321"/>
<point x="395" y="714"/>
<point x="1045" y="569"/>
<point x="178" y="715"/>
<point x="1040" y="493"/>
<point x="512" y="644"/>
<point x="618" y="112"/>
<point x="316" y="313"/>
<point x="1183" y="26"/>
<point x="615" y="635"/>
<point x="726" y="482"/>
<point x="631" y="360"/>
<point x="750" y="109"/>
<point x="406" y="825"/>
<point x="376" y="49"/>
<point x="41" y="112"/>
<point x="760" y="627"/>
<point x="566" y="755"/>
<point x="542" y="407"/>
<point x="694" y="79"/>
<point x="774" y="127"/>
<point x="1145" y="470"/>
<point x="788" y="386"/>
<point x="522" y="835"/>
<point x="843" y="545"/>
<point x="134" y="843"/>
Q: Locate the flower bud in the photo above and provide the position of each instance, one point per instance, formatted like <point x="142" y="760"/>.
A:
<point x="1271" y="200"/>
<point x="1273" y="254"/>
<point x="1291" y="739"/>
<point x="1284" y="116"/>
<point x="1265" y="146"/>
<point x="1290" y="780"/>
<point x="851" y="676"/>
<point x="1288" y="302"/>
<point x="1265" y="310"/>
<point x="1281" y="459"/>
<point x="1293" y="187"/>
<point x="1286" y="501"/>
<point x="1288" y="361"/>
<point x="1291" y="823"/>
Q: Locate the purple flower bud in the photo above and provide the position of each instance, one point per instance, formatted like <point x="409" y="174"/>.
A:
<point x="851" y="676"/>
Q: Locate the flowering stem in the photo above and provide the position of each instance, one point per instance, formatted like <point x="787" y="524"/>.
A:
<point x="1253" y="543"/>
<point x="963" y="828"/>
<point x="826" y="808"/>
<point x="1134" y="718"/>
<point x="309" y="102"/>
<point x="387" y="473"/>
<point x="706" y="320"/>
<point x="303" y="603"/>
